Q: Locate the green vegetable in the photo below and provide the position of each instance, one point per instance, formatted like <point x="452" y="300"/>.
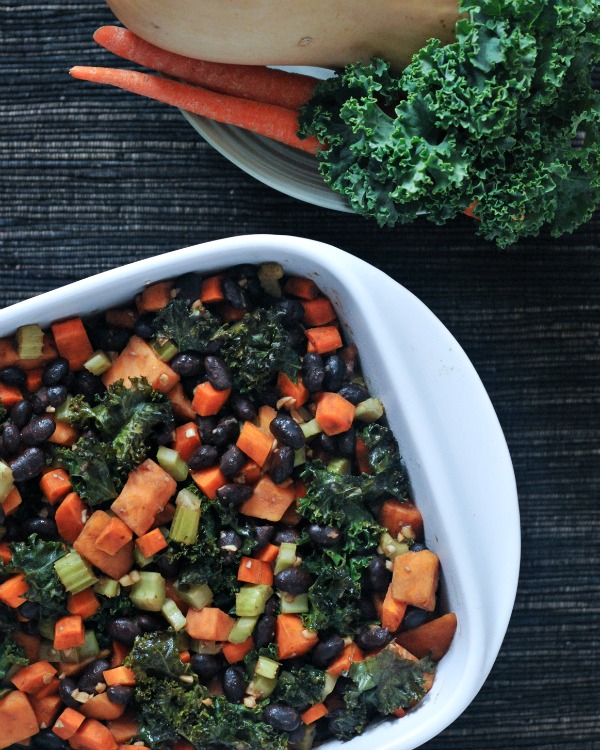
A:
<point x="157" y="654"/>
<point x="30" y="341"/>
<point x="189" y="329"/>
<point x="489" y="118"/>
<point x="149" y="592"/>
<point x="300" y="687"/>
<point x="8" y="619"/>
<point x="74" y="572"/>
<point x="118" y="605"/>
<point x="11" y="656"/>
<point x="88" y="464"/>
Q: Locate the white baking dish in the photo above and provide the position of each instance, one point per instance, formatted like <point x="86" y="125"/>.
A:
<point x="448" y="432"/>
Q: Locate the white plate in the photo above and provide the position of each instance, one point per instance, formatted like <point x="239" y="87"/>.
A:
<point x="292" y="172"/>
<point x="448" y="432"/>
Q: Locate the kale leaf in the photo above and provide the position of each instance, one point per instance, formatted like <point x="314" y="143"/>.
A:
<point x="388" y="475"/>
<point x="88" y="463"/>
<point x="8" y="618"/>
<point x="157" y="654"/>
<point x="488" y="122"/>
<point x="11" y="655"/>
<point x="299" y="687"/>
<point x="189" y="329"/>
<point x="35" y="558"/>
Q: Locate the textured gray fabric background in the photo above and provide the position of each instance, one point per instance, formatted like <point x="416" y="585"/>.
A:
<point x="91" y="178"/>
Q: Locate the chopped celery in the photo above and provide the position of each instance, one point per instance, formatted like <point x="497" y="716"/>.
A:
<point x="98" y="363"/>
<point x="165" y="349"/>
<point x="391" y="547"/>
<point x="266" y="667"/>
<point x="251" y="600"/>
<point x="197" y="595"/>
<point x="62" y="411"/>
<point x="369" y="410"/>
<point x="307" y="740"/>
<point x="30" y="341"/>
<point x="294" y="605"/>
<point x="310" y="429"/>
<point x="140" y="560"/>
<point x="242" y="629"/>
<point x="330" y="680"/>
<point x="107" y="587"/>
<point x="269" y="275"/>
<point x="74" y="572"/>
<point x="185" y="523"/>
<point x="300" y="456"/>
<point x="173" y="615"/>
<point x="339" y="466"/>
<point x="46" y="628"/>
<point x="172" y="463"/>
<point x="149" y="593"/>
<point x="261" y="687"/>
<point x="48" y="652"/>
<point x="286" y="557"/>
<point x="6" y="481"/>
<point x="90" y="648"/>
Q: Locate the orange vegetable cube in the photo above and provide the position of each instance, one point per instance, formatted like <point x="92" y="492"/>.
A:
<point x="207" y="400"/>
<point x="32" y="678"/>
<point x="17" y="719"/>
<point x="151" y="543"/>
<point x="137" y="360"/>
<point x="115" y="566"/>
<point x="209" y="480"/>
<point x="255" y="571"/>
<point x="292" y="638"/>
<point x="415" y="578"/>
<point x="255" y="443"/>
<point x="334" y="414"/>
<point x="433" y="637"/>
<point x="114" y="537"/>
<point x="268" y="501"/>
<point x="69" y="633"/>
<point x="55" y="485"/>
<point x="209" y="624"/>
<point x="68" y="723"/>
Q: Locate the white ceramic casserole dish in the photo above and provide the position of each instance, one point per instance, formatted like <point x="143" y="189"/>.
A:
<point x="449" y="435"/>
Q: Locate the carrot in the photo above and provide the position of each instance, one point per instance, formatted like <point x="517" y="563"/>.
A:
<point x="114" y="536"/>
<point x="392" y="611"/>
<point x="255" y="571"/>
<point x="255" y="443"/>
<point x="50" y="689"/>
<point x="187" y="439"/>
<point x="433" y="637"/>
<point x="300" y="286"/>
<point x="12" y="590"/>
<point x="45" y="708"/>
<point x="34" y="379"/>
<point x="210" y="289"/>
<point x="362" y="457"/>
<point x="314" y="713"/>
<point x="92" y="735"/>
<point x="9" y="395"/>
<point x="115" y="566"/>
<point x="55" y="485"/>
<point x="209" y="624"/>
<point x="12" y="501"/>
<point x="344" y="661"/>
<point x="292" y="638"/>
<point x="256" y="82"/>
<point x="318" y="312"/>
<point x="69" y="632"/>
<point x="334" y="414"/>
<point x="121" y="318"/>
<point x="154" y="297"/>
<point x="234" y="652"/>
<point x="185" y="657"/>
<point x="70" y="517"/>
<point x="415" y="579"/>
<point x="250" y="472"/>
<point x="470" y="210"/>
<point x="119" y="653"/>
<point x="209" y="480"/>
<point x="68" y="723"/>
<point x="182" y="406"/>
<point x="297" y="391"/>
<point x="146" y="492"/>
<point x="72" y="342"/>
<point x="85" y="603"/>
<point x="32" y="678"/>
<point x="138" y="359"/>
<point x="268" y="553"/>
<point x="151" y="543"/>
<point x="207" y="400"/>
<point x="269" y="120"/>
<point x="64" y="434"/>
<point x="400" y="518"/>
<point x="124" y="728"/>
<point x="101" y="707"/>
<point x="17" y="719"/>
<point x="268" y="501"/>
<point x="5" y="553"/>
<point x="323" y="339"/>
<point x="266" y="414"/>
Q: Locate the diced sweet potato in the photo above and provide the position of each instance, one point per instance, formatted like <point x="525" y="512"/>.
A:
<point x="137" y="360"/>
<point x="395" y="516"/>
<point x="415" y="579"/>
<point x="433" y="637"/>
<point x="147" y="491"/>
<point x="116" y="565"/>
<point x="268" y="501"/>
<point x="17" y="719"/>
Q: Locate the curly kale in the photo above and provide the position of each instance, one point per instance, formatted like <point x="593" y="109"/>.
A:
<point x="388" y="475"/>
<point x="157" y="655"/>
<point x="8" y="617"/>
<point x="489" y="122"/>
<point x="299" y="687"/>
<point x="190" y="329"/>
<point x="35" y="558"/>
<point x="88" y="463"/>
<point x="11" y="655"/>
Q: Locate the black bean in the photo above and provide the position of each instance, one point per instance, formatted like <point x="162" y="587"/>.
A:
<point x="282" y="464"/>
<point x="297" y="338"/>
<point x="203" y="457"/>
<point x="144" y="326"/>
<point x="373" y="638"/>
<point x="291" y="311"/>
<point x="325" y="443"/>
<point x="281" y="717"/>
<point x="45" y="739"/>
<point x="378" y="577"/>
<point x="226" y="431"/>
<point x="150" y="622"/>
<point x="28" y="464"/>
<point x="313" y="372"/>
<point x="285" y="534"/>
<point x="264" y="632"/>
<point x="243" y="407"/>
<point x="354" y="393"/>
<point x="296" y="737"/>
<point x="21" y="413"/>
<point x="188" y="286"/>
<point x="414" y="617"/>
<point x="293" y="581"/>
<point x="268" y="397"/>
<point x="205" y="666"/>
<point x="92" y="676"/>
<point x="418" y="547"/>
<point x="167" y="568"/>
<point x="30" y="610"/>
<point x="120" y="694"/>
<point x="38" y="431"/>
<point x="186" y="364"/>
<point x="123" y="630"/>
<point x="335" y="373"/>
<point x="13" y="376"/>
<point x="164" y="436"/>
<point x="43" y="527"/>
<point x="11" y="439"/>
<point x="230" y="539"/>
<point x="234" y="294"/>
<point x="205" y="427"/>
<point x="39" y="400"/>
<point x="326" y="650"/>
<point x="324" y="536"/>
<point x="346" y="443"/>
<point x="287" y="431"/>
<point x="87" y="385"/>
<point x="57" y="395"/>
<point x="66" y="687"/>
<point x="56" y="371"/>
<point x="234" y="684"/>
<point x="232" y="461"/>
<point x="218" y="372"/>
<point x="367" y="608"/>
<point x="110" y="339"/>
<point x="263" y="535"/>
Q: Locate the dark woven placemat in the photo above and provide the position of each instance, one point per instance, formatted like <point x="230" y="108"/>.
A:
<point x="91" y="178"/>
